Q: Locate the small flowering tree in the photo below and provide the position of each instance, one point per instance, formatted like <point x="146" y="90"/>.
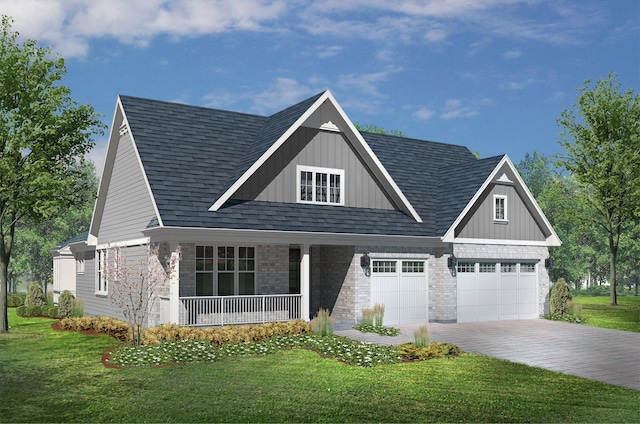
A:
<point x="133" y="283"/>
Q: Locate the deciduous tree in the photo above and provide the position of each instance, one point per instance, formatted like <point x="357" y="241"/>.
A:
<point x="602" y="144"/>
<point x="43" y="136"/>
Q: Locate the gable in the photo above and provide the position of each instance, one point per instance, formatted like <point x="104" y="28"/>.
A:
<point x="521" y="219"/>
<point x="277" y="179"/>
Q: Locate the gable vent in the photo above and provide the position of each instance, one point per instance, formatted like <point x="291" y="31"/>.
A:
<point x="123" y="129"/>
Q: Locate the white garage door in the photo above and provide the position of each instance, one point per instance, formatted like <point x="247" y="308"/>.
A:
<point x="490" y="291"/>
<point x="401" y="286"/>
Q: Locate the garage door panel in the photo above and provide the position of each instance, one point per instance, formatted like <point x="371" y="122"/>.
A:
<point x="487" y="312"/>
<point x="403" y="294"/>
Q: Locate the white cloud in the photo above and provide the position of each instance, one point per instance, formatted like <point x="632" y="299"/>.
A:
<point x="284" y="93"/>
<point x="453" y="108"/>
<point x="329" y="51"/>
<point x="518" y="85"/>
<point x="513" y="54"/>
<point x="424" y="113"/>
<point x="70" y="25"/>
<point x="97" y="154"/>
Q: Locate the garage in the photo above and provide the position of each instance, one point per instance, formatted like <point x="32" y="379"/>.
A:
<point x="491" y="291"/>
<point x="401" y="286"/>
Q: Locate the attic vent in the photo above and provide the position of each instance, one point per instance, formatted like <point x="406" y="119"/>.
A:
<point x="329" y="126"/>
<point x="504" y="179"/>
<point x="123" y="129"/>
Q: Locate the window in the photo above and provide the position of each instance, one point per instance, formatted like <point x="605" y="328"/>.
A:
<point x="508" y="267"/>
<point x="384" y="266"/>
<point x="500" y="208"/>
<point x="102" y="272"/>
<point x="527" y="267"/>
<point x="80" y="263"/>
<point x="466" y="267"/>
<point x="233" y="274"/>
<point x="412" y="266"/>
<point x="320" y="185"/>
<point x="488" y="267"/>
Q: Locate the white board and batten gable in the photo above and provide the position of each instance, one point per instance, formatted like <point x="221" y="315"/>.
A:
<point x="325" y="115"/>
<point x="503" y="211"/>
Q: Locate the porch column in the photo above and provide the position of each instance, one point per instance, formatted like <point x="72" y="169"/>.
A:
<point x="174" y="289"/>
<point x="305" y="283"/>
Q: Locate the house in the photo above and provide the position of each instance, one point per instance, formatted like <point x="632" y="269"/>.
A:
<point x="278" y="216"/>
<point x="66" y="265"/>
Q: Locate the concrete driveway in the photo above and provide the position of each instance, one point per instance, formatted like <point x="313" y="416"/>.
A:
<point x="601" y="354"/>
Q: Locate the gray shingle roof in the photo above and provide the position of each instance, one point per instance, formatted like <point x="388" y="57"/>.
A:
<point x="80" y="237"/>
<point x="192" y="154"/>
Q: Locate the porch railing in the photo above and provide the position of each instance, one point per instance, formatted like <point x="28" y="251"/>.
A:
<point x="229" y="310"/>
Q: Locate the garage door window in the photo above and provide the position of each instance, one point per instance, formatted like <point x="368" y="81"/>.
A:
<point x="410" y="266"/>
<point x="466" y="266"/>
<point x="508" y="267"/>
<point x="527" y="267"/>
<point x="488" y="267"/>
<point x="383" y="266"/>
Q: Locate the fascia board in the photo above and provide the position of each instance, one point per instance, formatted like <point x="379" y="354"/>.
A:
<point x="266" y="155"/>
<point x="551" y="241"/>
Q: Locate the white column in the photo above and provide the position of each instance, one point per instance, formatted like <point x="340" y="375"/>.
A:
<point x="174" y="288"/>
<point x="305" y="283"/>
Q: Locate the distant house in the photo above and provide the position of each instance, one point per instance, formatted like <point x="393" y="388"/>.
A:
<point x="66" y="265"/>
<point x="278" y="216"/>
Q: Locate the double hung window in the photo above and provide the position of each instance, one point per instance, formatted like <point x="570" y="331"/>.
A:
<point x="102" y="272"/>
<point x="500" y="208"/>
<point x="225" y="270"/>
<point x="320" y="185"/>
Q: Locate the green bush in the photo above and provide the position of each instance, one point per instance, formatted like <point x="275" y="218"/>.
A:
<point x="53" y="312"/>
<point x="35" y="296"/>
<point x="560" y="298"/>
<point x="21" y="311"/>
<point x="35" y="311"/>
<point x="411" y="352"/>
<point x="16" y="299"/>
<point x="66" y="303"/>
<point x="322" y="323"/>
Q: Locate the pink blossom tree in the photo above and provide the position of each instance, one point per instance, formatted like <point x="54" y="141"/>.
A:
<point x="134" y="281"/>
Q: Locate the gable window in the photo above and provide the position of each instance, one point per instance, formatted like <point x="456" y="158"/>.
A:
<point x="500" y="208"/>
<point x="320" y="185"/>
<point x="232" y="274"/>
<point x="101" y="287"/>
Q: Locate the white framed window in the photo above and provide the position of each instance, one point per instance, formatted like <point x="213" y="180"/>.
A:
<point x="383" y="266"/>
<point x="466" y="267"/>
<point x="507" y="267"/>
<point x="527" y="267"/>
<point x="80" y="263"/>
<point x="487" y="267"/>
<point x="225" y="270"/>
<point x="320" y="185"/>
<point x="101" y="280"/>
<point x="500" y="208"/>
<point x="413" y="266"/>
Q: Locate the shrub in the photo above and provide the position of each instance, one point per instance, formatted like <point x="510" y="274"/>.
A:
<point x="560" y="297"/>
<point x="21" y="311"/>
<point x="105" y="325"/>
<point x="35" y="311"/>
<point x="49" y="299"/>
<point x="66" y="302"/>
<point x="322" y="323"/>
<point x="35" y="296"/>
<point x="16" y="299"/>
<point x="411" y="352"/>
<point x="378" y="315"/>
<point x="368" y="316"/>
<point x="53" y="311"/>
<point x="78" y="308"/>
<point x="421" y="336"/>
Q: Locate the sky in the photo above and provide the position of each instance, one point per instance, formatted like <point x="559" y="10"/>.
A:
<point x="492" y="75"/>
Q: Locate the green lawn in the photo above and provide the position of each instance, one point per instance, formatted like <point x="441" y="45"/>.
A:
<point x="58" y="377"/>
<point x="599" y="313"/>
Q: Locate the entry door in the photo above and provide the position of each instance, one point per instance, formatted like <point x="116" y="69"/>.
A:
<point x="401" y="286"/>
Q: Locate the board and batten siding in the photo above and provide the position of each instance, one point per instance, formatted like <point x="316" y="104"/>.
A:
<point x="128" y="207"/>
<point x="520" y="224"/>
<point x="276" y="180"/>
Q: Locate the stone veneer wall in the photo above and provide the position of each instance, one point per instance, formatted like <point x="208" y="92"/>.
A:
<point x="332" y="280"/>
<point x="491" y="251"/>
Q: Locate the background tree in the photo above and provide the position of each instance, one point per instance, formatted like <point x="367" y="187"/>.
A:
<point x="602" y="148"/>
<point x="372" y="128"/>
<point x="43" y="136"/>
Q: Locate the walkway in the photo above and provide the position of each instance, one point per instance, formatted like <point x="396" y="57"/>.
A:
<point x="596" y="353"/>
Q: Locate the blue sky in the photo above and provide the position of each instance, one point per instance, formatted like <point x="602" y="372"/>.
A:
<point x="492" y="75"/>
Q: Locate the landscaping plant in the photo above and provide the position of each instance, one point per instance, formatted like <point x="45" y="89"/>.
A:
<point x="66" y="303"/>
<point x="322" y="323"/>
<point x="35" y="296"/>
<point x="560" y="298"/>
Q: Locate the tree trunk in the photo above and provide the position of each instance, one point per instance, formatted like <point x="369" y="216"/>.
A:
<point x="4" y="318"/>
<point x="613" y="251"/>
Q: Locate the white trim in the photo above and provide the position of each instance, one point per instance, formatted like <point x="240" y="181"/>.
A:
<point x="545" y="243"/>
<point x="318" y="170"/>
<point x="329" y="126"/>
<point x="504" y="179"/>
<point x="126" y="243"/>
<point x="506" y="215"/>
<point x="552" y="240"/>
<point x="369" y="155"/>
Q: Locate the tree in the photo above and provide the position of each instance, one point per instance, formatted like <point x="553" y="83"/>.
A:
<point x="134" y="281"/>
<point x="372" y="128"/>
<point x="43" y="136"/>
<point x="603" y="154"/>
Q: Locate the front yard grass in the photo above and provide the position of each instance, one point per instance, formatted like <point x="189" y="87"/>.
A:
<point x="599" y="313"/>
<point x="58" y="377"/>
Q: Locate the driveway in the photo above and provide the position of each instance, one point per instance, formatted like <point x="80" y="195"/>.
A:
<point x="601" y="354"/>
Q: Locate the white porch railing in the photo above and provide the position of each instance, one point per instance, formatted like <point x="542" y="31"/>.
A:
<point x="229" y="310"/>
